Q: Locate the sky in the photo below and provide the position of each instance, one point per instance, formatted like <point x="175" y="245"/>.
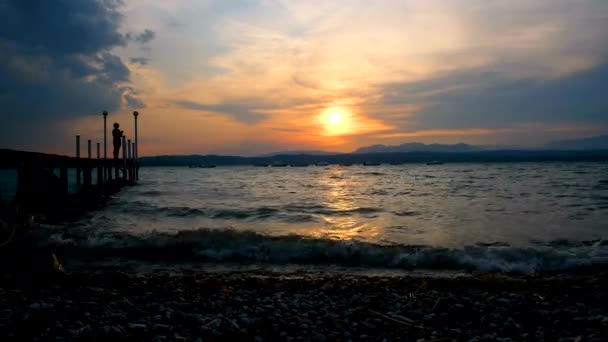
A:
<point x="256" y="76"/>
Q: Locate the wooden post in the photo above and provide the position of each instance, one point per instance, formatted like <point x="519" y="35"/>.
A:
<point x="63" y="177"/>
<point x="124" y="158"/>
<point x="129" y="164"/>
<point x="106" y="172"/>
<point x="136" y="162"/>
<point x="87" y="177"/>
<point x="105" y="135"/>
<point x="135" y="149"/>
<point x="78" y="156"/>
<point x="22" y="188"/>
<point x="88" y="181"/>
<point x="100" y="168"/>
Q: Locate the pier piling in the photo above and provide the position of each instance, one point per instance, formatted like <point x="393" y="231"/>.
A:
<point x="124" y="158"/>
<point x="78" y="156"/>
<point x="43" y="180"/>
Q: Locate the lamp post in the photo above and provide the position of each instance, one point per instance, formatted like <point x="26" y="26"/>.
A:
<point x="124" y="158"/>
<point x="78" y="156"/>
<point x="105" y="144"/>
<point x="105" y="129"/>
<point x="135" y="115"/>
<point x="136" y="147"/>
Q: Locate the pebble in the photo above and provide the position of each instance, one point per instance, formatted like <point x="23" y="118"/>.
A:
<point x="85" y="330"/>
<point x="41" y="306"/>
<point x="303" y="311"/>
<point x="161" y="327"/>
<point x="137" y="326"/>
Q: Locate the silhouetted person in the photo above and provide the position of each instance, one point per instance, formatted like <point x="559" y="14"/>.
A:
<point x="117" y="135"/>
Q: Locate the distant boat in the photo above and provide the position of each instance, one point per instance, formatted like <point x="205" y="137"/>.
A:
<point x="322" y="164"/>
<point x="370" y="164"/>
<point x="434" y="162"/>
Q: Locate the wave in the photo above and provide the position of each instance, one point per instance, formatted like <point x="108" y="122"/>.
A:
<point x="288" y="212"/>
<point x="208" y="245"/>
<point x="152" y="193"/>
<point x="371" y="173"/>
<point x="405" y="213"/>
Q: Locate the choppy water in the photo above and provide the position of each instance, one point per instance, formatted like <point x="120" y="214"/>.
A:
<point x="524" y="217"/>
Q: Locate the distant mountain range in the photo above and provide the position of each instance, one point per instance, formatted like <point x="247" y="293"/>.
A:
<point x="383" y="158"/>
<point x="418" y="147"/>
<point x="588" y="149"/>
<point x="291" y="153"/>
<point x="594" y="143"/>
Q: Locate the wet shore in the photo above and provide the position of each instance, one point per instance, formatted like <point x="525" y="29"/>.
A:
<point x="261" y="306"/>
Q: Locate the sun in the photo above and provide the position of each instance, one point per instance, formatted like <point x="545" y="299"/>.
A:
<point x="334" y="118"/>
<point x="336" y="121"/>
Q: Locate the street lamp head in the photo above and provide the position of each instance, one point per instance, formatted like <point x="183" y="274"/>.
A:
<point x="105" y="114"/>
<point x="135" y="113"/>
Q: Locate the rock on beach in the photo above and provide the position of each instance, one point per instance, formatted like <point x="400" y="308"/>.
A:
<point x="260" y="306"/>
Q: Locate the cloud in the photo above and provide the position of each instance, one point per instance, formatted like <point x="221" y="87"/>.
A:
<point x="142" y="61"/>
<point x="445" y="132"/>
<point x="57" y="64"/>
<point x="243" y="112"/>
<point x="405" y="69"/>
<point x="437" y="45"/>
<point x="134" y="102"/>
<point x="489" y="99"/>
<point x="145" y="36"/>
<point x="61" y="27"/>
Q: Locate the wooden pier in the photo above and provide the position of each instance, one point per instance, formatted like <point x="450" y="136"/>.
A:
<point x="43" y="179"/>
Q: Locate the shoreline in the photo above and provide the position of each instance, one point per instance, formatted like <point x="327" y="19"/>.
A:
<point x="263" y="306"/>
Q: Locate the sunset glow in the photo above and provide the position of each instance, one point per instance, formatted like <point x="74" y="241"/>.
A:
<point x="335" y="118"/>
<point x="336" y="121"/>
<point x="228" y="77"/>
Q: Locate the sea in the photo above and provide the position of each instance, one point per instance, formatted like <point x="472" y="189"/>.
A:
<point x="472" y="217"/>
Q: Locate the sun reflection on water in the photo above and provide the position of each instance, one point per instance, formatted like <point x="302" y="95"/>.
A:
<point x="342" y="203"/>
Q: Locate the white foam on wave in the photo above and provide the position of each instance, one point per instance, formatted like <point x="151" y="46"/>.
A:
<point x="249" y="247"/>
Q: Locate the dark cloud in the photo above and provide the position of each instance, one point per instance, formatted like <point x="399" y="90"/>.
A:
<point x="134" y="102"/>
<point x="56" y="64"/>
<point x="489" y="99"/>
<point x="242" y="112"/>
<point x="61" y="26"/>
<point x="145" y="36"/>
<point x="139" y="60"/>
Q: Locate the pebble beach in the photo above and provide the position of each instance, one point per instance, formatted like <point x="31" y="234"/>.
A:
<point x="188" y="305"/>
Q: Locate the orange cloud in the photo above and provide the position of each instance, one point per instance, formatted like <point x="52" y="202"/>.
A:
<point x="446" y="132"/>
